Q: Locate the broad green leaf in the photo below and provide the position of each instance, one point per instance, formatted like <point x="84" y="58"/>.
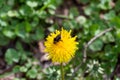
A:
<point x="3" y="23"/>
<point x="26" y="11"/>
<point x="96" y="45"/>
<point x="1" y="3"/>
<point x="73" y="12"/>
<point x="9" y="34"/>
<point x="32" y="3"/>
<point x="23" y="69"/>
<point x="13" y="13"/>
<point x="39" y="34"/>
<point x="110" y="15"/>
<point x="105" y="4"/>
<point x="117" y="5"/>
<point x="115" y="21"/>
<point x="118" y="33"/>
<point x="20" y="30"/>
<point x="16" y="68"/>
<point x="94" y="29"/>
<point x="3" y="40"/>
<point x="12" y="56"/>
<point x="32" y="73"/>
<point x="19" y="46"/>
<point x="28" y="27"/>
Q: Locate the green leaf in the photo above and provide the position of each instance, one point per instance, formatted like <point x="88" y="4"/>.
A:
<point x="1" y="3"/>
<point x="3" y="23"/>
<point x="94" y="29"/>
<point x="16" y="68"/>
<point x="74" y="12"/>
<point x="42" y="14"/>
<point x="26" y="11"/>
<point x="115" y="21"/>
<point x="96" y="45"/>
<point x="39" y="34"/>
<point x="22" y="30"/>
<point x="117" y="5"/>
<point x="9" y="34"/>
<point x="32" y="3"/>
<point x="88" y="11"/>
<point x="28" y="27"/>
<point x="23" y="69"/>
<point x="105" y="4"/>
<point x="19" y="79"/>
<point x="29" y="64"/>
<point x="13" y="13"/>
<point x="110" y="15"/>
<point x="32" y="73"/>
<point x="19" y="46"/>
<point x="110" y="37"/>
<point x="11" y="56"/>
<point x="117" y="33"/>
<point x="23" y="56"/>
<point x="3" y="40"/>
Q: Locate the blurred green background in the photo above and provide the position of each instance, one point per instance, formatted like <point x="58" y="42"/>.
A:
<point x="24" y="25"/>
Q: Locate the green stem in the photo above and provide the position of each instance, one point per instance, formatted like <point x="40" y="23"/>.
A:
<point x="46" y="5"/>
<point x="62" y="72"/>
<point x="62" y="16"/>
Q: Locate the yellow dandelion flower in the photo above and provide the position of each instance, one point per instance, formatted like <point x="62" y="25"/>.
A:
<point x="60" y="46"/>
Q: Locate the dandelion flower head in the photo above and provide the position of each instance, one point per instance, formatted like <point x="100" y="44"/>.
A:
<point x="61" y="46"/>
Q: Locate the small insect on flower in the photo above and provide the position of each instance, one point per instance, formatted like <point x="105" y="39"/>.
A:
<point x="57" y="39"/>
<point x="61" y="46"/>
